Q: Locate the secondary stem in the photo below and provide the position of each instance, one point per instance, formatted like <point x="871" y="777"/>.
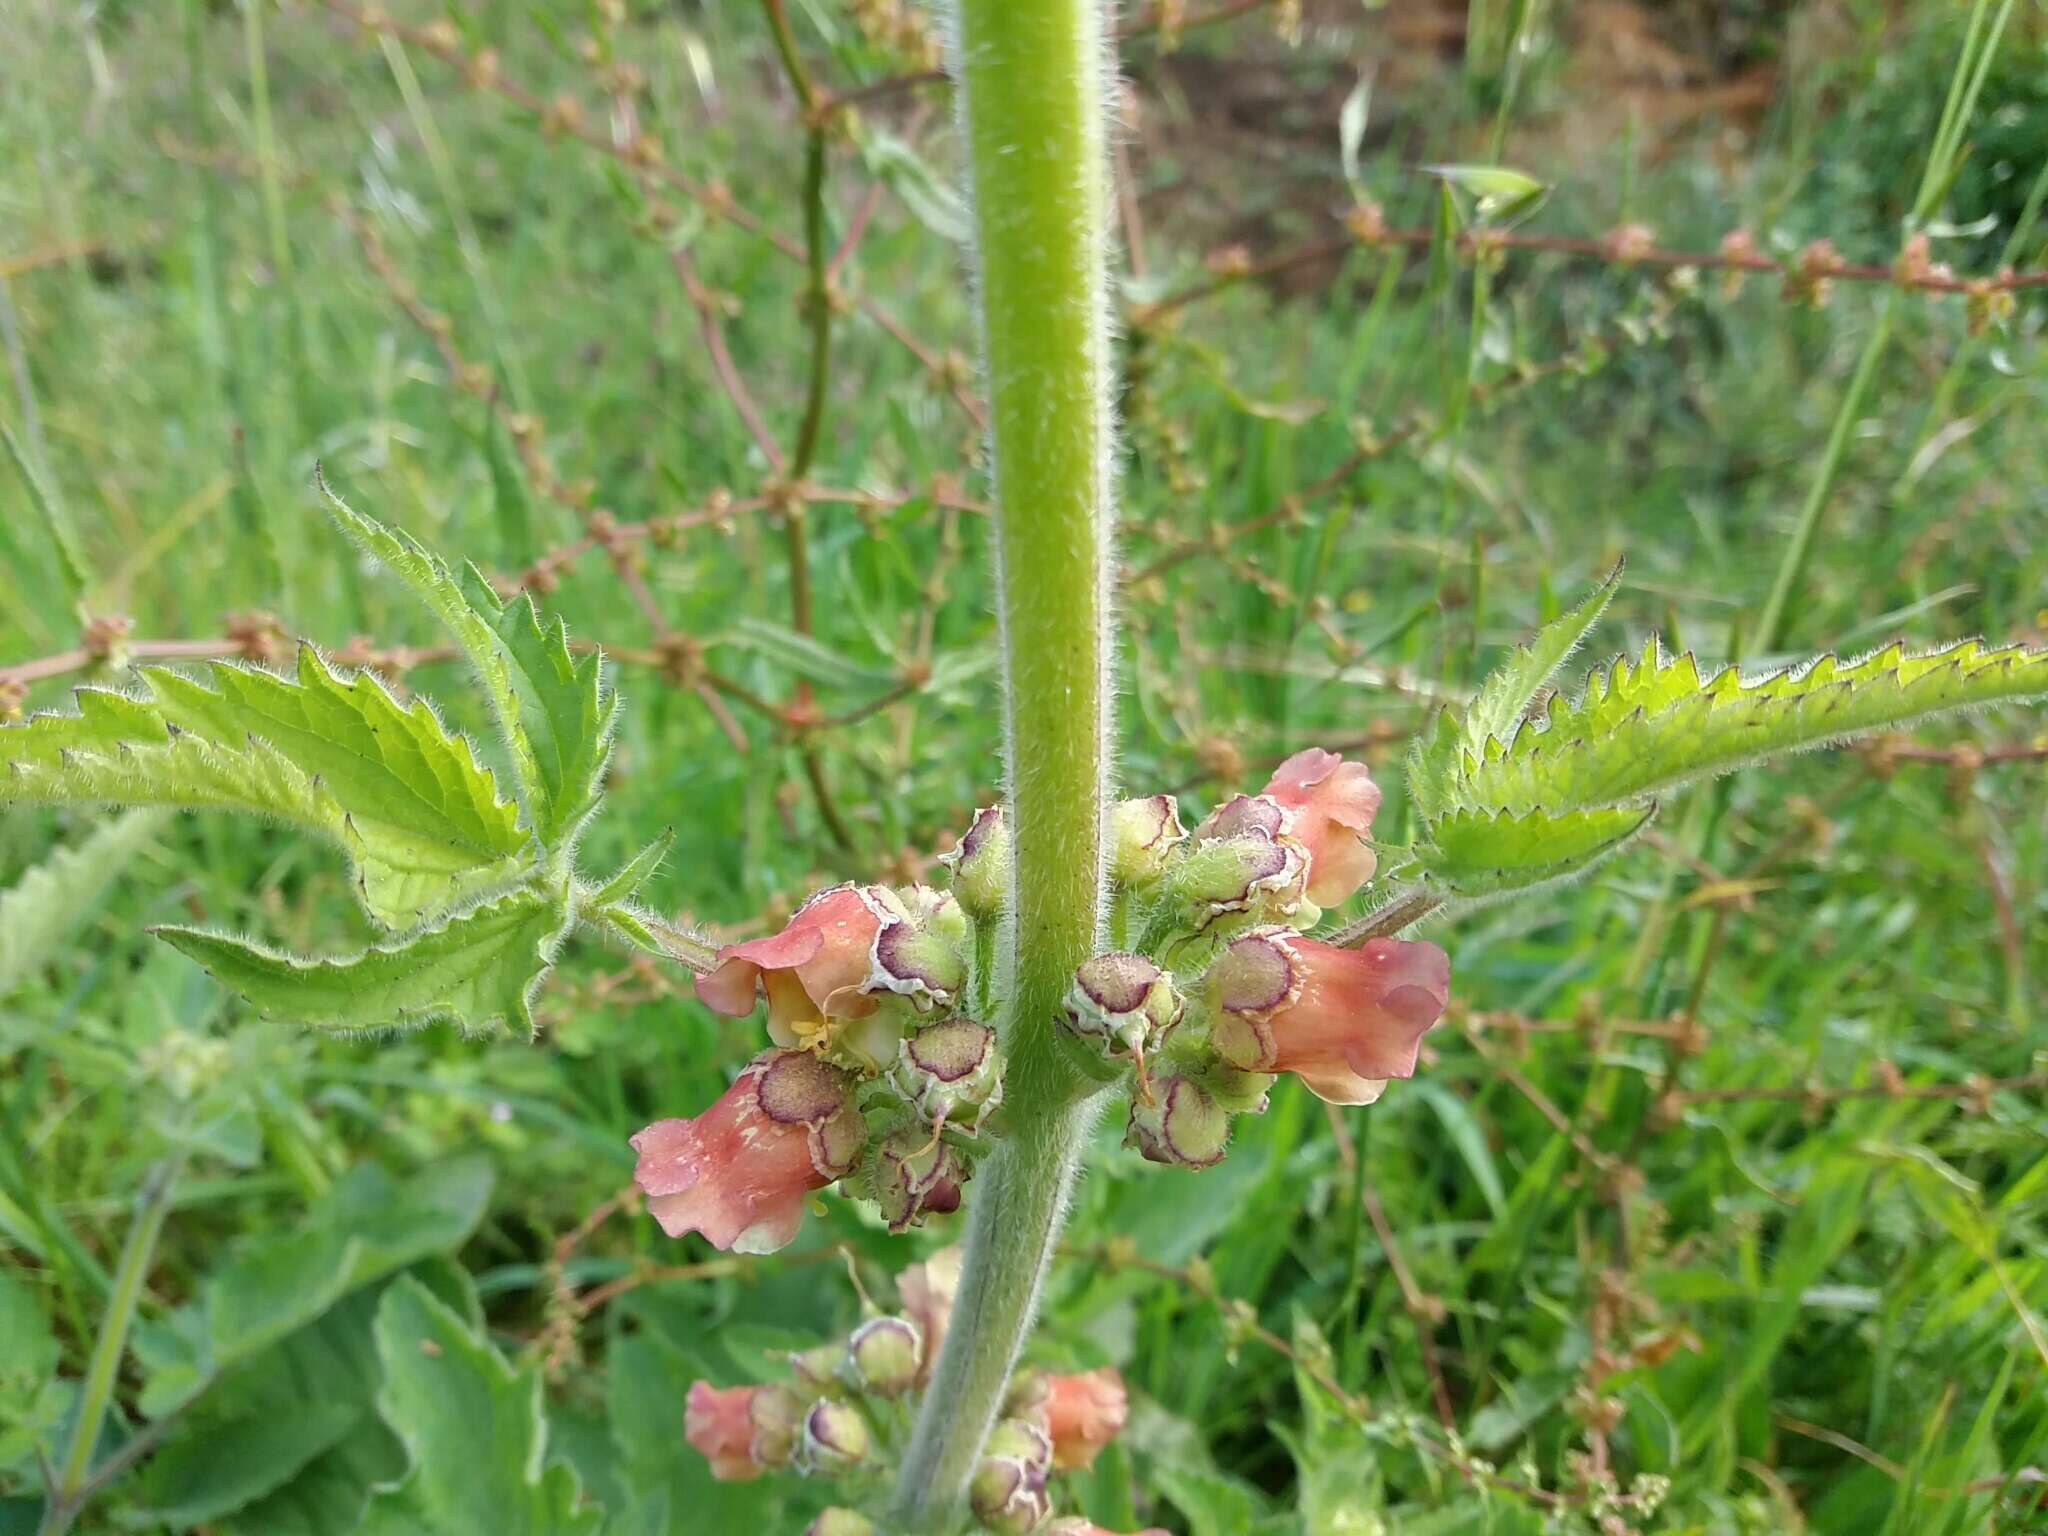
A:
<point x="151" y="1206"/>
<point x="1030" y="74"/>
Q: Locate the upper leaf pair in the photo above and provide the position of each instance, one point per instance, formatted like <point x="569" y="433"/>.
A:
<point x="1513" y="795"/>
<point x="480" y="889"/>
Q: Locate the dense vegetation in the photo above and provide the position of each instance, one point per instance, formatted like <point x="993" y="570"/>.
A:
<point x="1721" y="1201"/>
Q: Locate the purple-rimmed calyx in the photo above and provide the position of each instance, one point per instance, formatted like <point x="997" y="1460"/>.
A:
<point x="914" y="1172"/>
<point x="951" y="1072"/>
<point x="981" y="865"/>
<point x="920" y="952"/>
<point x="884" y="1355"/>
<point x="1122" y="1004"/>
<point x="1143" y="835"/>
<point x="1008" y="1492"/>
<point x="835" y="1438"/>
<point x="1182" y="1124"/>
<point x="1241" y="869"/>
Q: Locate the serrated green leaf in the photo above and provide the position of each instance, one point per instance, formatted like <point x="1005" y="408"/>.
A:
<point x="339" y="756"/>
<point x="565" y="709"/>
<point x="1645" y="727"/>
<point x="1503" y="699"/>
<point x="551" y="707"/>
<point x="473" y="1428"/>
<point x="477" y="968"/>
<point x="387" y="762"/>
<point x="1510" y="687"/>
<point x="41" y="909"/>
<point x="1475" y="855"/>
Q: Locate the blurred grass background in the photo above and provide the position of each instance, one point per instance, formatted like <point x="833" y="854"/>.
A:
<point x="1807" y="1312"/>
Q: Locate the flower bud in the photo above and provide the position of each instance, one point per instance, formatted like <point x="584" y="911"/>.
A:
<point x="835" y="1438"/>
<point x="951" y="1072"/>
<point x="1142" y="836"/>
<point x="1248" y="875"/>
<point x="981" y="865"/>
<point x="1121" y="1003"/>
<point x="884" y="1355"/>
<point x="739" y="1172"/>
<point x="913" y="1173"/>
<point x="1181" y="1125"/>
<point x="922" y="955"/>
<point x="741" y="1431"/>
<point x="1083" y="1413"/>
<point x="817" y="1369"/>
<point x="1008" y="1491"/>
<point x="840" y="1522"/>
<point x="927" y="1291"/>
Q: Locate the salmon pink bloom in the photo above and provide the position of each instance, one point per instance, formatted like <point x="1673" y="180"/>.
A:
<point x="1344" y="1020"/>
<point x="813" y="970"/>
<point x="741" y="1431"/>
<point x="1083" y="1414"/>
<point x="1077" y="1525"/>
<point x="738" y="1173"/>
<point x="1331" y="805"/>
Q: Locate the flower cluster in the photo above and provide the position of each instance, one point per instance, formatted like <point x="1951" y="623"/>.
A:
<point x="876" y="1077"/>
<point x="885" y="1075"/>
<point x="846" y="1406"/>
<point x="1223" y="989"/>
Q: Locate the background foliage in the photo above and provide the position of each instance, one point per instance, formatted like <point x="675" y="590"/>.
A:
<point x="1729" y="1170"/>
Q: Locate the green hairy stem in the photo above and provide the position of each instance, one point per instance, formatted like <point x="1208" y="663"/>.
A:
<point x="1031" y="75"/>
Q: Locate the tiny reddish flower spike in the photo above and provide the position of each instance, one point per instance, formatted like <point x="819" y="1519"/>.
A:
<point x="741" y="1431"/>
<point x="813" y="969"/>
<point x="1083" y="1414"/>
<point x="1333" y="803"/>
<point x="738" y="1173"/>
<point x="1344" y="1020"/>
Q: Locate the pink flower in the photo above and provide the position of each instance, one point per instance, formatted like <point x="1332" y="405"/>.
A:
<point x="813" y="970"/>
<point x="1083" y="1414"/>
<point x="738" y="1173"/>
<point x="1345" y="1020"/>
<point x="1076" y="1525"/>
<point x="1332" y="804"/>
<point x="741" y="1431"/>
